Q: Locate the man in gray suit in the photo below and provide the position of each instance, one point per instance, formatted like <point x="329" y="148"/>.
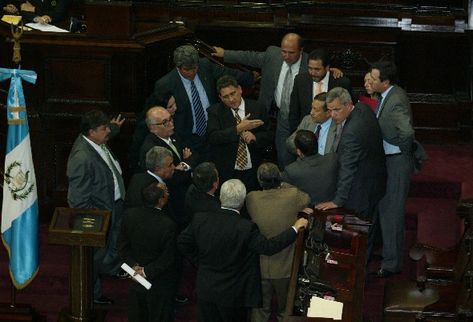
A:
<point x="320" y="123"/>
<point x="313" y="173"/>
<point x="395" y="119"/>
<point x="95" y="181"/>
<point x="279" y="66"/>
<point x="362" y="172"/>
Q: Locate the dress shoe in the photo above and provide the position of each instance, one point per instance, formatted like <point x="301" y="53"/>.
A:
<point x="103" y="300"/>
<point x="181" y="299"/>
<point x="383" y="273"/>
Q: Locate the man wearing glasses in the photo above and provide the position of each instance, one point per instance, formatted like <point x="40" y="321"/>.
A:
<point x="238" y="131"/>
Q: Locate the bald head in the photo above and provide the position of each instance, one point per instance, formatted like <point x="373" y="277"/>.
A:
<point x="160" y="122"/>
<point x="291" y="48"/>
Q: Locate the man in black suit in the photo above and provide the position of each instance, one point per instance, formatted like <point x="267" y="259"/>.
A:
<point x="95" y="182"/>
<point x="313" y="173"/>
<point x="238" y="131"/>
<point x="160" y="167"/>
<point x="200" y="197"/>
<point x="192" y="83"/>
<point x="318" y="80"/>
<point x="361" y="179"/>
<point x="147" y="243"/>
<point x="227" y="246"/>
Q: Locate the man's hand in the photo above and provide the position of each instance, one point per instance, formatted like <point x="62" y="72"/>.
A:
<point x="219" y="52"/>
<point x="337" y="73"/>
<point x="186" y="153"/>
<point x="10" y="9"/>
<point x="326" y="205"/>
<point x="27" y="7"/>
<point x="300" y="224"/>
<point x="248" y="137"/>
<point x="139" y="270"/>
<point x="246" y="124"/>
<point x="308" y="211"/>
<point x="118" y="120"/>
<point x="256" y="76"/>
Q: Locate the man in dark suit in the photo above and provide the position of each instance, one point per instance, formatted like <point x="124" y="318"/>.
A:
<point x="318" y="80"/>
<point x="160" y="167"/>
<point x="227" y="246"/>
<point x="361" y="179"/>
<point x="395" y="119"/>
<point x="192" y="83"/>
<point x="200" y="197"/>
<point x="95" y="182"/>
<point x="238" y="131"/>
<point x="313" y="173"/>
<point x="147" y="243"/>
<point x="320" y="123"/>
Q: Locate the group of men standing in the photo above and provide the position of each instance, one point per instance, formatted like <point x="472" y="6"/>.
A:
<point x="347" y="156"/>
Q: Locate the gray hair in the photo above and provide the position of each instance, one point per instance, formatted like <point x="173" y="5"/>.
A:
<point x="232" y="194"/>
<point x="338" y="92"/>
<point x="268" y="175"/>
<point x="186" y="56"/>
<point x="155" y="157"/>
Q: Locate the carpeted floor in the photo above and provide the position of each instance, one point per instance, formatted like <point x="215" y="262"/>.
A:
<point x="445" y="177"/>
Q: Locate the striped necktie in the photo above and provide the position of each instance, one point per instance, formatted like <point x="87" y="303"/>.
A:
<point x="200" y="121"/>
<point x="116" y="173"/>
<point x="242" y="157"/>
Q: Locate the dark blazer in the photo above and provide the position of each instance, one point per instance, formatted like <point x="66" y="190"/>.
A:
<point x="315" y="175"/>
<point x="56" y="9"/>
<point x="90" y="179"/>
<point x="228" y="247"/>
<point x="152" y="140"/>
<point x="198" y="201"/>
<point x="362" y="173"/>
<point x="302" y="96"/>
<point x="148" y="238"/>
<point x="223" y="138"/>
<point x="270" y="62"/>
<point x="208" y="73"/>
<point x="138" y="181"/>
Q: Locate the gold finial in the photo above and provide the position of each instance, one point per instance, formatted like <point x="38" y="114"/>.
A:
<point x="17" y="31"/>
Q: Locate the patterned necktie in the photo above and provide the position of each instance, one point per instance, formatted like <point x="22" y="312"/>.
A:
<point x="318" y="88"/>
<point x="286" y="92"/>
<point x="116" y="173"/>
<point x="200" y="122"/>
<point x="317" y="131"/>
<point x="242" y="157"/>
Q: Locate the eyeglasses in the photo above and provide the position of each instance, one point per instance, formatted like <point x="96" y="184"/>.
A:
<point x="165" y="123"/>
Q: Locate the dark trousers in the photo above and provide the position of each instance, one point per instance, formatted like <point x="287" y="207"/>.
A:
<point x="211" y="312"/>
<point x="155" y="305"/>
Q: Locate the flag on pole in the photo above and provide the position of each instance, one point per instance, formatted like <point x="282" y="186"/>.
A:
<point x="20" y="199"/>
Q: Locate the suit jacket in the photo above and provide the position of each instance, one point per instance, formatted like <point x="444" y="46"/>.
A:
<point x="148" y="238"/>
<point x="90" y="178"/>
<point x="138" y="181"/>
<point x="228" y="247"/>
<point x="308" y="124"/>
<point x="223" y="139"/>
<point x="315" y="175"/>
<point x="395" y="120"/>
<point x="362" y="173"/>
<point x="152" y="140"/>
<point x="56" y="9"/>
<point x="274" y="210"/>
<point x="302" y="96"/>
<point x="270" y="62"/>
<point x="208" y="73"/>
<point x="198" y="201"/>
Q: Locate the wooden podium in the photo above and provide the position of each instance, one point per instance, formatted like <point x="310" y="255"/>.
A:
<point x="82" y="229"/>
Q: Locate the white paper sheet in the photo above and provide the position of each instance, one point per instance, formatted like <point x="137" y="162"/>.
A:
<point x="320" y="308"/>
<point x="45" y="27"/>
<point x="140" y="279"/>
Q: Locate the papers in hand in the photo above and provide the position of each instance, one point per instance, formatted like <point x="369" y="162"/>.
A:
<point x="320" y="308"/>
<point x="140" y="279"/>
<point x="45" y="27"/>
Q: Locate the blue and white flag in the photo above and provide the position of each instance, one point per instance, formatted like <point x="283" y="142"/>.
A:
<point x="20" y="199"/>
